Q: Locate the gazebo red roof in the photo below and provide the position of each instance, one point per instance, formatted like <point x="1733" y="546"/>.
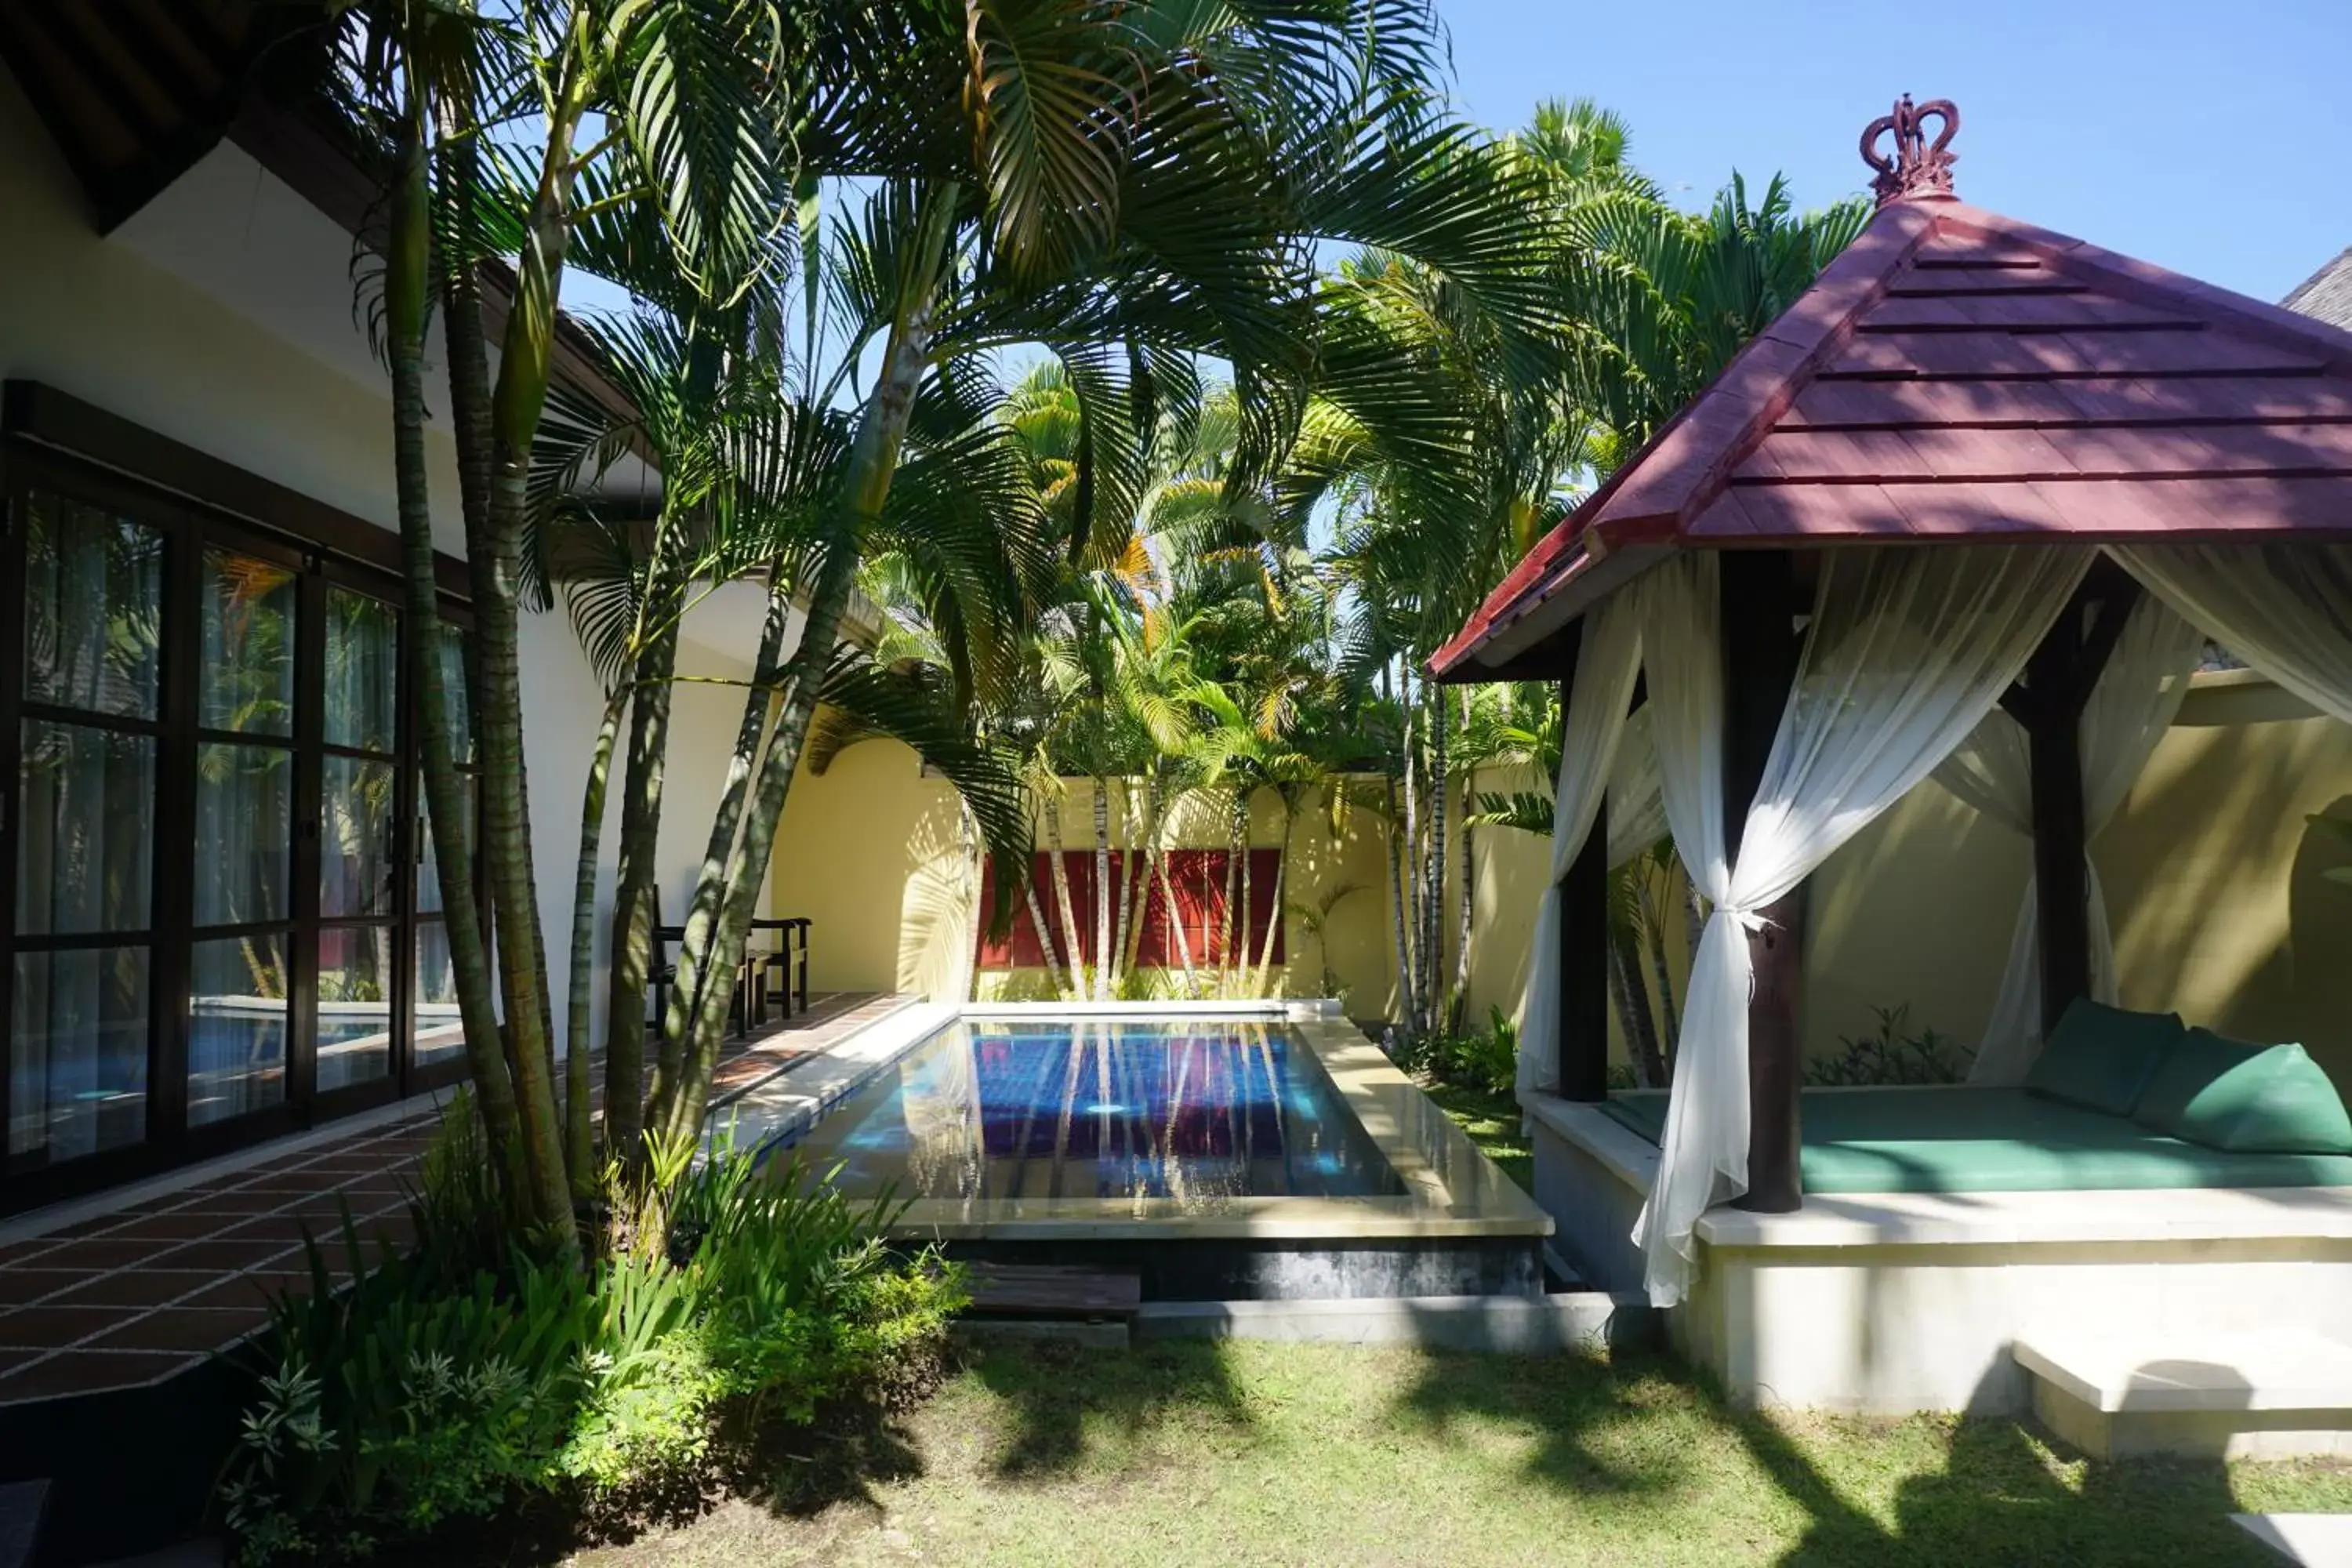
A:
<point x="1957" y="375"/>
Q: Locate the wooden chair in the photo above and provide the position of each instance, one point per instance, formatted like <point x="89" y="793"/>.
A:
<point x="661" y="973"/>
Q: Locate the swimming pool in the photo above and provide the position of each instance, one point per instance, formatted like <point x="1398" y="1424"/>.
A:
<point x="997" y="1109"/>
<point x="1220" y="1155"/>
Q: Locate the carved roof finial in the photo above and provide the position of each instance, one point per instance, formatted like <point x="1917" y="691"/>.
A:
<point x="1919" y="167"/>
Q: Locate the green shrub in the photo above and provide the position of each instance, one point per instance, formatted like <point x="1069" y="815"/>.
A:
<point x="448" y="1384"/>
<point x="1486" y="1061"/>
<point x="1893" y="1054"/>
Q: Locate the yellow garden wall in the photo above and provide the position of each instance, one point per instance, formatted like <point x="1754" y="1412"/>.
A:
<point x="870" y="850"/>
<point x="2214" y="885"/>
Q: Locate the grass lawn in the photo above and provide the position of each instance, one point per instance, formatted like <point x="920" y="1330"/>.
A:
<point x="1493" y="1123"/>
<point x="1312" y="1454"/>
<point x="1265" y="1454"/>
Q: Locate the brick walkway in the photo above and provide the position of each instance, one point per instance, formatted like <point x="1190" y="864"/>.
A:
<point x="142" y="1293"/>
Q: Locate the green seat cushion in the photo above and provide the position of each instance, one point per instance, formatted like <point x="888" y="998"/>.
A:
<point x="2101" y="1058"/>
<point x="1957" y="1139"/>
<point x="2225" y="1094"/>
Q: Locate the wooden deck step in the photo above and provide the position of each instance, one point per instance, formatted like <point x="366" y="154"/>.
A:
<point x="1052" y="1290"/>
<point x="2235" y="1395"/>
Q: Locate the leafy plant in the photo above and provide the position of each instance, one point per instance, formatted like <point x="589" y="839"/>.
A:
<point x="1893" y="1054"/>
<point x="456" y="1379"/>
<point x="1487" y="1061"/>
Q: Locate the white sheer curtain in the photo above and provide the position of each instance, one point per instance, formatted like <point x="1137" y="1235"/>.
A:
<point x="1637" y="807"/>
<point x="1906" y="651"/>
<point x="1607" y="663"/>
<point x="2135" y="701"/>
<point x="2286" y="609"/>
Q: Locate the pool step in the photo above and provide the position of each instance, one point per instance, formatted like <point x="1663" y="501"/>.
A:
<point x="1052" y="1290"/>
<point x="2266" y="1395"/>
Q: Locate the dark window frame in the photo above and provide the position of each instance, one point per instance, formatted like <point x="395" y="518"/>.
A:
<point x="54" y="443"/>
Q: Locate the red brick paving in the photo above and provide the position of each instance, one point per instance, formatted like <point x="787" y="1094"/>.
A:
<point x="145" y="1293"/>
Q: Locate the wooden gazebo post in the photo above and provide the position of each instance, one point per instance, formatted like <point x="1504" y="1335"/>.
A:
<point x="1760" y="647"/>
<point x="1584" y="948"/>
<point x="2048" y="704"/>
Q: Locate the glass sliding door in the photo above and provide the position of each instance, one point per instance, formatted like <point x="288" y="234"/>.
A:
<point x="89" y="711"/>
<point x="225" y="918"/>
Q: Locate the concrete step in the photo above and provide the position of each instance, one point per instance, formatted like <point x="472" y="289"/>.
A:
<point x="2234" y="1395"/>
<point x="2306" y="1539"/>
<point x="1052" y="1290"/>
<point x="1580" y="1320"/>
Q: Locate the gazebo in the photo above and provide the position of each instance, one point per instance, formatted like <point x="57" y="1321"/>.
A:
<point x="1970" y="509"/>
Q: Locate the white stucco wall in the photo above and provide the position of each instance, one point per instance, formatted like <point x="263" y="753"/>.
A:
<point x="221" y="316"/>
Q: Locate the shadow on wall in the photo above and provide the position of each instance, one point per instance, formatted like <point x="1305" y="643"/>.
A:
<point x="2218" y="889"/>
<point x="2319" y="917"/>
<point x="937" y="912"/>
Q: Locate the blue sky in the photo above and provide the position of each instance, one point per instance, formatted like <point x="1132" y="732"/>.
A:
<point x="2210" y="138"/>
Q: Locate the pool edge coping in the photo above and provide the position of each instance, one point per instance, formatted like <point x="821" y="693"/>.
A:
<point x="1358" y="1070"/>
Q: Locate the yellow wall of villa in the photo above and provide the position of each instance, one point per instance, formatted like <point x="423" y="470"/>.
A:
<point x="870" y="850"/>
<point x="2215" y="886"/>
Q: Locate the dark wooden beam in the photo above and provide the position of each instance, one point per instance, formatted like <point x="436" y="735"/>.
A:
<point x="1761" y="647"/>
<point x="1584" y="953"/>
<point x="2059" y="680"/>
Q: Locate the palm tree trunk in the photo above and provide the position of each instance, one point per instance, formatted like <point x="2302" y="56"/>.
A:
<point x="1433" y="905"/>
<point x="1176" y="924"/>
<point x="633" y="895"/>
<point x="1467" y="888"/>
<point x="698" y="945"/>
<point x="872" y="462"/>
<point x="578" y="1138"/>
<point x="1141" y="849"/>
<point x="405" y="292"/>
<point x="1072" y="937"/>
<point x="1397" y="909"/>
<point x="1633" y="1010"/>
<point x="1102" y="890"/>
<point x="1274" y="925"/>
<point x="1122" y="955"/>
<point x="1234" y="934"/>
<point x="1416" y="974"/>
<point x="968" y="846"/>
<point x="1044" y="936"/>
<point x="1654" y="940"/>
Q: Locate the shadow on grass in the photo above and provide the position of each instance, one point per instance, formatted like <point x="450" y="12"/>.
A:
<point x="1055" y="1393"/>
<point x="1644" y="1430"/>
<point x="1587" y="1415"/>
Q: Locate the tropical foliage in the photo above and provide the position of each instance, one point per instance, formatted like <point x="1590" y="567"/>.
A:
<point x="466" y="1378"/>
<point x="1007" y="319"/>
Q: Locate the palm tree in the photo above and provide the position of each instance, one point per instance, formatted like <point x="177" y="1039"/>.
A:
<point x="481" y="121"/>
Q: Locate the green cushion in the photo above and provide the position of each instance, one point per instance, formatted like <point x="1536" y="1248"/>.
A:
<point x="1950" y="1139"/>
<point x="2102" y="1057"/>
<point x="2228" y="1095"/>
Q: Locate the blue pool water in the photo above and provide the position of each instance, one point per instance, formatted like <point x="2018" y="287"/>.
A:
<point x="1087" y="1109"/>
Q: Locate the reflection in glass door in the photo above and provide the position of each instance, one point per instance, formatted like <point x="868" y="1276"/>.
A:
<point x="222" y="923"/>
<point x="360" y="852"/>
<point x="79" y="1008"/>
<point x="437" y="1034"/>
<point x="240" y="980"/>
